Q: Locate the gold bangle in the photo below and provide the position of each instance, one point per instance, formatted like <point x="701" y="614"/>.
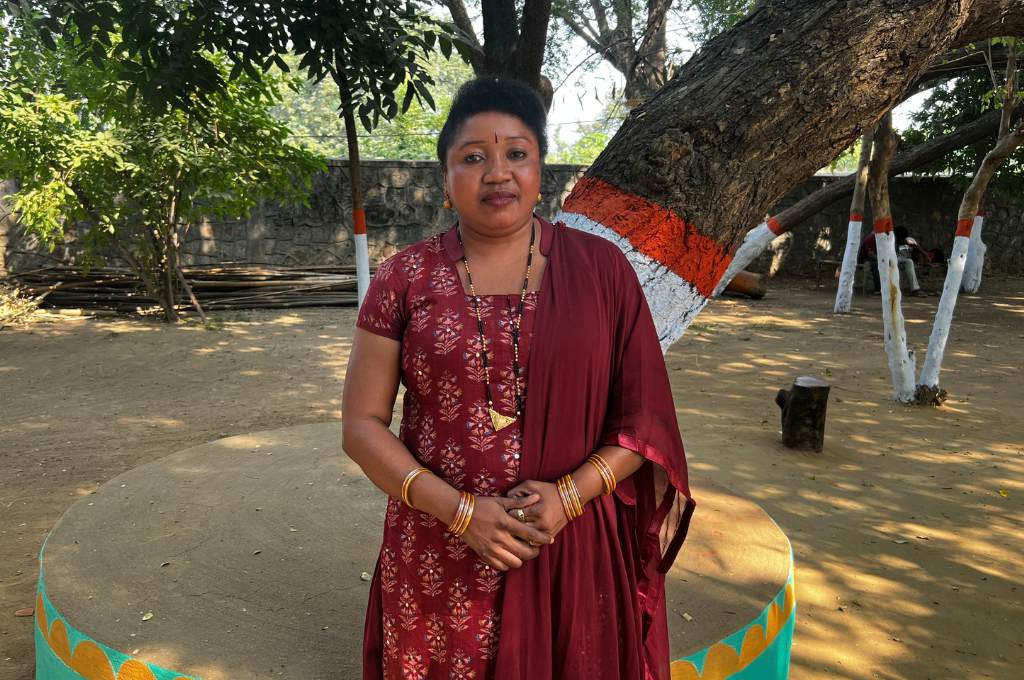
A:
<point x="459" y="512"/>
<point x="605" y="487"/>
<point x="576" y="497"/>
<point x="467" y="503"/>
<point x="570" y="494"/>
<point x="560" y="485"/>
<point x="608" y="480"/>
<point x="409" y="479"/>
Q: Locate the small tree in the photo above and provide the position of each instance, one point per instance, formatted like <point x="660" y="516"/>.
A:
<point x="141" y="178"/>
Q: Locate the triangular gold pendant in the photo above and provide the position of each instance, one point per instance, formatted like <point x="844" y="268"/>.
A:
<point x="500" y="421"/>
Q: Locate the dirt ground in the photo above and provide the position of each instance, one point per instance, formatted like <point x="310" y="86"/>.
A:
<point x="908" y="529"/>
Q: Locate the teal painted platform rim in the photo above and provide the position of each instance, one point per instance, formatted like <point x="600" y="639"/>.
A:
<point x="772" y="663"/>
<point x="50" y="666"/>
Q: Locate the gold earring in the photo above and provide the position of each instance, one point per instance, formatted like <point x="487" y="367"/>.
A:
<point x="447" y="202"/>
<point x="540" y="197"/>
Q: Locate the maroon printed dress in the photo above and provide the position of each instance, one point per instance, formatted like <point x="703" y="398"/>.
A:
<point x="434" y="604"/>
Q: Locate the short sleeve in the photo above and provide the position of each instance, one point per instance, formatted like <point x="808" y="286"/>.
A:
<point x="383" y="311"/>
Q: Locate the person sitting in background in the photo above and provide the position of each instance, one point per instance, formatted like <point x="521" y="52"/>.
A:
<point x="907" y="248"/>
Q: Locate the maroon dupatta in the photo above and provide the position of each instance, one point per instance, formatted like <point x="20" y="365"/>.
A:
<point x="593" y="605"/>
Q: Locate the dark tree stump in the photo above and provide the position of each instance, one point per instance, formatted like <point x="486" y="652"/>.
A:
<point x="803" y="413"/>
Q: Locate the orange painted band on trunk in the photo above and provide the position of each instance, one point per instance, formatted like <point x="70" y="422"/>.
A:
<point x="776" y="227"/>
<point x="359" y="218"/>
<point x="981" y="213"/>
<point x="883" y="225"/>
<point x="653" y="230"/>
<point x="856" y="217"/>
<point x="963" y="227"/>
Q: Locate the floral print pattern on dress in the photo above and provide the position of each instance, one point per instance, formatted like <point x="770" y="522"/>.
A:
<point x="441" y="602"/>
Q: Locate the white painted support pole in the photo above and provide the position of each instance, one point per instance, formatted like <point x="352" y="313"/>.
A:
<point x="362" y="255"/>
<point x="754" y="243"/>
<point x="844" y="292"/>
<point x="944" y="314"/>
<point x="901" y="361"/>
<point x="975" y="262"/>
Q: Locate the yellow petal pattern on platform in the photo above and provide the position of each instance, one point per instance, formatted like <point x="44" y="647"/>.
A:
<point x="89" y="659"/>
<point x="722" y="660"/>
<point x="134" y="670"/>
<point x="91" y="662"/>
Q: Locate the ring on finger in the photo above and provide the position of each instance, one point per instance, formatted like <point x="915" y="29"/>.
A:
<point x="520" y="515"/>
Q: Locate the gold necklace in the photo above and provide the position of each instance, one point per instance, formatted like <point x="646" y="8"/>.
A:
<point x="500" y="420"/>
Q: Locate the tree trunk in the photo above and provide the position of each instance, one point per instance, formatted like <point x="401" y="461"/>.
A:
<point x="928" y="389"/>
<point x="355" y="180"/>
<point x="755" y="112"/>
<point x="975" y="263"/>
<point x="901" y="361"/>
<point x="844" y="291"/>
<point x="165" y="274"/>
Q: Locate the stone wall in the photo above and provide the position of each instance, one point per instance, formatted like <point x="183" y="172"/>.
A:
<point x="403" y="205"/>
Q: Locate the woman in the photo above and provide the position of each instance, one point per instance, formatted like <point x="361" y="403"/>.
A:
<point x="537" y="490"/>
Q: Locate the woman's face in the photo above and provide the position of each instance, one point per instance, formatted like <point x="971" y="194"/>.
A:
<point x="493" y="173"/>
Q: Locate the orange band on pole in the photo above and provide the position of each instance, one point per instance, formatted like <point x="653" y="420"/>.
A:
<point x="359" y="218"/>
<point x="776" y="227"/>
<point x="963" y="227"/>
<point x="856" y="217"/>
<point x="883" y="225"/>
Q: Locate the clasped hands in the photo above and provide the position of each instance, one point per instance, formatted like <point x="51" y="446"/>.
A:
<point x="505" y="539"/>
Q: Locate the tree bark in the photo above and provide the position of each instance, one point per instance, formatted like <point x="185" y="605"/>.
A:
<point x="844" y="291"/>
<point x="755" y="112"/>
<point x="901" y="361"/>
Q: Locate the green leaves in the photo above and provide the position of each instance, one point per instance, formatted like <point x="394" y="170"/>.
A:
<point x="163" y="48"/>
<point x="122" y="169"/>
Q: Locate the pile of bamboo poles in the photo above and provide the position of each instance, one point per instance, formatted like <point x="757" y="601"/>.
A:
<point x="222" y="286"/>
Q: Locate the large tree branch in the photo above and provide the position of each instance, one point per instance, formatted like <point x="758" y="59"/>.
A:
<point x="585" y="31"/>
<point x="529" y="49"/>
<point x="1010" y="88"/>
<point x="462" y="21"/>
<point x="981" y="128"/>
<point x="761" y="107"/>
<point x="500" y="36"/>
<point x="601" y="16"/>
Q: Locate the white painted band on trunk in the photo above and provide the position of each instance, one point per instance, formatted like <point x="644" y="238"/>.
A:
<point x="674" y="302"/>
<point x="362" y="268"/>
<point x="894" y="331"/>
<point x="975" y="258"/>
<point x="844" y="291"/>
<point x="754" y="243"/>
<point x="944" y="314"/>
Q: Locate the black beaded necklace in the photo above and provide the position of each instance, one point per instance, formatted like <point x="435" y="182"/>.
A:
<point x="497" y="419"/>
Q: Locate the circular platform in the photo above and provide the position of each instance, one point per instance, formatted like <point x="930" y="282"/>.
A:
<point x="245" y="558"/>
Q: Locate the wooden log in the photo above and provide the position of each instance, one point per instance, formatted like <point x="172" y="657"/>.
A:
<point x="803" y="413"/>
<point x="750" y="284"/>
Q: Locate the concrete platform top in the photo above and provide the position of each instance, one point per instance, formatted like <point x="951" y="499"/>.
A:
<point x="243" y="558"/>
